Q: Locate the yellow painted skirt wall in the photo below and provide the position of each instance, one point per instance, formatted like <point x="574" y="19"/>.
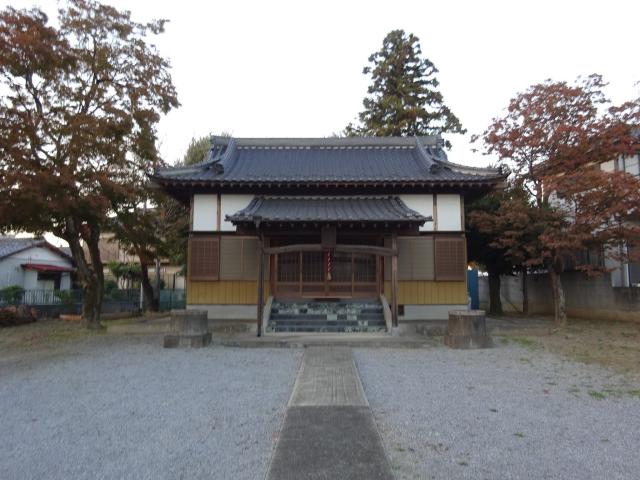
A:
<point x="424" y="292"/>
<point x="238" y="292"/>
<point x="225" y="292"/>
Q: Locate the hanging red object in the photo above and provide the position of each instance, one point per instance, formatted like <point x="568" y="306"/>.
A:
<point x="328" y="263"/>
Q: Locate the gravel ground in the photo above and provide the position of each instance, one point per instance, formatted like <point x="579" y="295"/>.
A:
<point x="117" y="407"/>
<point x="508" y="412"/>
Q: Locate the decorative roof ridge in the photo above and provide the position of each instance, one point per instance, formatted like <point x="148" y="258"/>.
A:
<point x="326" y="147"/>
<point x="487" y="171"/>
<point x="399" y="206"/>
<point x="326" y="197"/>
<point x="336" y="141"/>
<point x="427" y="162"/>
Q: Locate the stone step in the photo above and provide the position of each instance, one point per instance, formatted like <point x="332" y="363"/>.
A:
<point x="319" y="324"/>
<point x="315" y="311"/>
<point x="327" y="329"/>
<point x="310" y="316"/>
<point x="329" y="317"/>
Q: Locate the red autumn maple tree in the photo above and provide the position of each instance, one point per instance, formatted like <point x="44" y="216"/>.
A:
<point x="554" y="137"/>
<point x="78" y="114"/>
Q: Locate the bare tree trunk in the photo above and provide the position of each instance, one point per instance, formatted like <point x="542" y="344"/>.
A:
<point x="560" y="311"/>
<point x="150" y="303"/>
<point x="525" y="292"/>
<point x="495" y="302"/>
<point x="90" y="275"/>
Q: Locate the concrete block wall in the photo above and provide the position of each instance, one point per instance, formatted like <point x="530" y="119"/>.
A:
<point x="586" y="297"/>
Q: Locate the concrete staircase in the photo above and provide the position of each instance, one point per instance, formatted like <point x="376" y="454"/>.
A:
<point x="326" y="316"/>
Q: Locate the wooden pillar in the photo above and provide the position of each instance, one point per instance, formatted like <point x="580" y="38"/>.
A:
<point x="260" y="283"/>
<point x="394" y="280"/>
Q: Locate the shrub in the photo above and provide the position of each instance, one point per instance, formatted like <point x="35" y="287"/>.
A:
<point x="11" y="294"/>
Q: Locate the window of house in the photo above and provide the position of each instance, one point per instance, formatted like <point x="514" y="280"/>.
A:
<point x="48" y="281"/>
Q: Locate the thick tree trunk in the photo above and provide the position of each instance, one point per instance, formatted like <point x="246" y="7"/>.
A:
<point x="150" y="301"/>
<point x="90" y="275"/>
<point x="560" y="311"/>
<point x="495" y="302"/>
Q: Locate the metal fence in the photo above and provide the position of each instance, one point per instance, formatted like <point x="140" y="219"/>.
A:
<point x="55" y="302"/>
<point x="173" y="300"/>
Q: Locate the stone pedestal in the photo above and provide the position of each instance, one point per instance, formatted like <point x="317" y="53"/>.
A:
<point x="467" y="329"/>
<point x="188" y="328"/>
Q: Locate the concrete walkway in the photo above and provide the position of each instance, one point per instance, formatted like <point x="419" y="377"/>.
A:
<point x="329" y="431"/>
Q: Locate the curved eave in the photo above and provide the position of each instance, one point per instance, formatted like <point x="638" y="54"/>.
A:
<point x="283" y="222"/>
<point x="345" y="183"/>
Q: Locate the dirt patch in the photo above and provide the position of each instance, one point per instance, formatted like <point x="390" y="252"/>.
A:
<point x="612" y="344"/>
<point x="43" y="334"/>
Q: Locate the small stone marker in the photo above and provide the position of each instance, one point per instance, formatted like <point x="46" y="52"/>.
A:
<point x="188" y="328"/>
<point x="467" y="329"/>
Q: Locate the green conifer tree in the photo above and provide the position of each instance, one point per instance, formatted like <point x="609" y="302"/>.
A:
<point x="403" y="98"/>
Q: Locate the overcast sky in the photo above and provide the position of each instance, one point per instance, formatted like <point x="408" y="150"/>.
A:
<point x="294" y="69"/>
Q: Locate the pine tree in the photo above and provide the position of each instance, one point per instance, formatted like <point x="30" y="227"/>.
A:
<point x="403" y="98"/>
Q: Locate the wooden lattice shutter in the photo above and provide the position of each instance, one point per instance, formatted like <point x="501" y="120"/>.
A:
<point x="204" y="258"/>
<point x="230" y="258"/>
<point x="422" y="258"/>
<point x="405" y="257"/>
<point x="450" y="259"/>
<point x="250" y="259"/>
<point x="415" y="259"/>
<point x="238" y="258"/>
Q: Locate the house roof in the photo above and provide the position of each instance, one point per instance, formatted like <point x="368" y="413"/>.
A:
<point x="369" y="209"/>
<point x="11" y="245"/>
<point x="321" y="161"/>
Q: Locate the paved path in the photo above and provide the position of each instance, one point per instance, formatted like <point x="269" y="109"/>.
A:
<point x="329" y="431"/>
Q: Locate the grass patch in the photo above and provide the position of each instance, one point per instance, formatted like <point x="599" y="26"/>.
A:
<point x="608" y="343"/>
<point x="597" y="395"/>
<point x="613" y="392"/>
<point x="43" y="333"/>
<point x="518" y="434"/>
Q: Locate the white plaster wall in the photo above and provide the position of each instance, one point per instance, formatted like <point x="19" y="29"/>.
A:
<point x="230" y="204"/>
<point x="31" y="280"/>
<point x="11" y="273"/>
<point x="609" y="166"/>
<point x="632" y="165"/>
<point x="449" y="215"/>
<point x="429" y="312"/>
<point x="423" y="204"/>
<point x="205" y="212"/>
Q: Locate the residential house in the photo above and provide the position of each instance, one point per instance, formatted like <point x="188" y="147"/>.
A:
<point x="34" y="264"/>
<point x="624" y="274"/>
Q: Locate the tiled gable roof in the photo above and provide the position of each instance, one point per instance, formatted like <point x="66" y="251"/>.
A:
<point x="11" y="245"/>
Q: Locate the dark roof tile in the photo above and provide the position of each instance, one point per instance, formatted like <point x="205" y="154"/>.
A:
<point x="339" y="160"/>
<point x="327" y="209"/>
